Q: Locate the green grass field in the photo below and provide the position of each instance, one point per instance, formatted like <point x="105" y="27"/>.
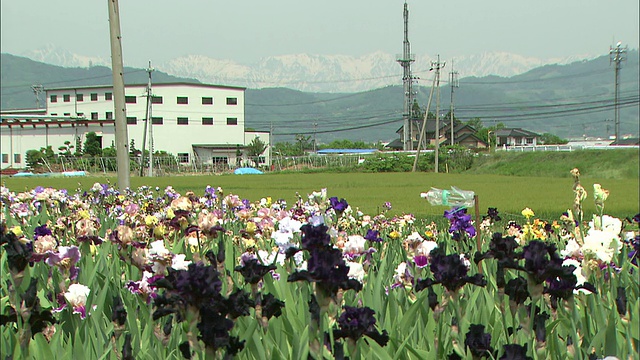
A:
<point x="548" y="197"/>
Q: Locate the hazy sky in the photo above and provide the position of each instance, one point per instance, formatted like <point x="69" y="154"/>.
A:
<point x="247" y="30"/>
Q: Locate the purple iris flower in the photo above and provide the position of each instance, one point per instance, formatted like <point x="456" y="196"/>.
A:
<point x="41" y="230"/>
<point x="373" y="236"/>
<point x="338" y="205"/>
<point x="460" y="222"/>
<point x="450" y="271"/>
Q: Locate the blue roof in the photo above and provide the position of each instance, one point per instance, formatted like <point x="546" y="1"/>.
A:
<point x="347" y="151"/>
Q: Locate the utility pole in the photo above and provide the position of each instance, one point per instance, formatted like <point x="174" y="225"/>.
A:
<point x="424" y="126"/>
<point x="122" y="141"/>
<point x="405" y="61"/>
<point x="454" y="84"/>
<point x="147" y="123"/>
<point x="315" y="146"/>
<point x="617" y="55"/>
<point x="437" y="66"/>
<point x="37" y="89"/>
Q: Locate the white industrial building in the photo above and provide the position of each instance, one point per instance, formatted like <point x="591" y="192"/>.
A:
<point x="198" y="123"/>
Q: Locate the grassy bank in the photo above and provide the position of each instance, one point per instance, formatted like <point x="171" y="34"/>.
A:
<point x="593" y="164"/>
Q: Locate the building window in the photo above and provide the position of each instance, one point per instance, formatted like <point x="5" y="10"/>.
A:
<point x="232" y="121"/>
<point x="94" y="97"/>
<point x="108" y="115"/>
<point x="5" y="158"/>
<point x="232" y="101"/>
<point x="183" y="121"/>
<point x="17" y="158"/>
<point x="54" y="98"/>
<point x="132" y="120"/>
<point x="156" y="99"/>
<point x="156" y="121"/>
<point x="54" y="114"/>
<point x="207" y="101"/>
<point x="67" y="114"/>
<point x="108" y="96"/>
<point x="219" y="160"/>
<point x="94" y="116"/>
<point x="530" y="141"/>
<point x="66" y="97"/>
<point x="207" y="121"/>
<point x="80" y="114"/>
<point x="183" y="157"/>
<point x="79" y="97"/>
<point x="183" y="100"/>
<point x="130" y="99"/>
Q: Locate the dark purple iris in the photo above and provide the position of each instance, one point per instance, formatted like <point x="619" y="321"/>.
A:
<point x="41" y="230"/>
<point x="214" y="330"/>
<point x="271" y="306"/>
<point x="478" y="341"/>
<point x="541" y="261"/>
<point x="373" y="236"/>
<point x="517" y="290"/>
<point x="635" y="253"/>
<point x="539" y="326"/>
<point x="338" y="205"/>
<point x="563" y="284"/>
<point x="238" y="304"/>
<point x="515" y="352"/>
<point x="355" y="322"/>
<point x="253" y="271"/>
<point x="197" y="285"/>
<point x="460" y="222"/>
<point x="492" y="213"/>
<point x="450" y="271"/>
<point x="18" y="254"/>
<point x="118" y="312"/>
<point x="621" y="301"/>
<point x="314" y="236"/>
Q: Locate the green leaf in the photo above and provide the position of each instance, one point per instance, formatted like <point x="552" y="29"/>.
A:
<point x="611" y="336"/>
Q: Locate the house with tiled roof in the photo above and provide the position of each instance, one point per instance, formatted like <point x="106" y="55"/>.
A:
<point x="516" y="137"/>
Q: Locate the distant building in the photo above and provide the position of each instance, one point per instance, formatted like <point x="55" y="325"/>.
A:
<point x="198" y="123"/>
<point x="516" y="137"/>
<point x="464" y="135"/>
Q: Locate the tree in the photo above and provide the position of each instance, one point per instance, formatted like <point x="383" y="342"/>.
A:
<point x="93" y="144"/>
<point x="78" y="152"/>
<point x="34" y="158"/>
<point x="304" y="143"/>
<point x="551" y="139"/>
<point x="256" y="148"/>
<point x="65" y="150"/>
<point x="110" y="151"/>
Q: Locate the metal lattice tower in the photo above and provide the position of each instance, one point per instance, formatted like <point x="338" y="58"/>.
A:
<point x="617" y="56"/>
<point x="37" y="90"/>
<point x="405" y="61"/>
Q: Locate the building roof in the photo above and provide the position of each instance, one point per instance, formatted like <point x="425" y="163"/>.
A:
<point x="346" y="151"/>
<point x="515" y="132"/>
<point x="628" y="141"/>
<point x="155" y="85"/>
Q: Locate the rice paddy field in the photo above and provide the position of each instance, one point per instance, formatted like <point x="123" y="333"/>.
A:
<point x="548" y="197"/>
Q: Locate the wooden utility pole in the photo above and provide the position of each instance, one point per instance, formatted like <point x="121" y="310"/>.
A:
<point x="437" y="66"/>
<point x="122" y="139"/>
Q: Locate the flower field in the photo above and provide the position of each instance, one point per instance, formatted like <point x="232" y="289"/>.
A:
<point x="152" y="273"/>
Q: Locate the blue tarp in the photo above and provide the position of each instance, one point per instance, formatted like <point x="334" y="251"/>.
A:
<point x="246" y="171"/>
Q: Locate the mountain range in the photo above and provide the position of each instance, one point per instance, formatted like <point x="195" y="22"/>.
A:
<point x="569" y="100"/>
<point x="315" y="73"/>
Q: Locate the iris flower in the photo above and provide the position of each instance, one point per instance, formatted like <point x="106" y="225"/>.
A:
<point x="355" y="322"/>
<point x="450" y="271"/>
<point x="478" y="341"/>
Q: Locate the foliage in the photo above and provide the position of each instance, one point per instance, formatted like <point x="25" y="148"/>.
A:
<point x="92" y="145"/>
<point x="65" y="150"/>
<point x="256" y="148"/>
<point x="34" y="158"/>
<point x="348" y="144"/>
<point x="551" y="139"/>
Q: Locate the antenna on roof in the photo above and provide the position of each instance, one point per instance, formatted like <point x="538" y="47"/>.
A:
<point x="37" y="89"/>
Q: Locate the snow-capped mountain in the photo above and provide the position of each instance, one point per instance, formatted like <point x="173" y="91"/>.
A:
<point x="55" y="56"/>
<point x="318" y="73"/>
